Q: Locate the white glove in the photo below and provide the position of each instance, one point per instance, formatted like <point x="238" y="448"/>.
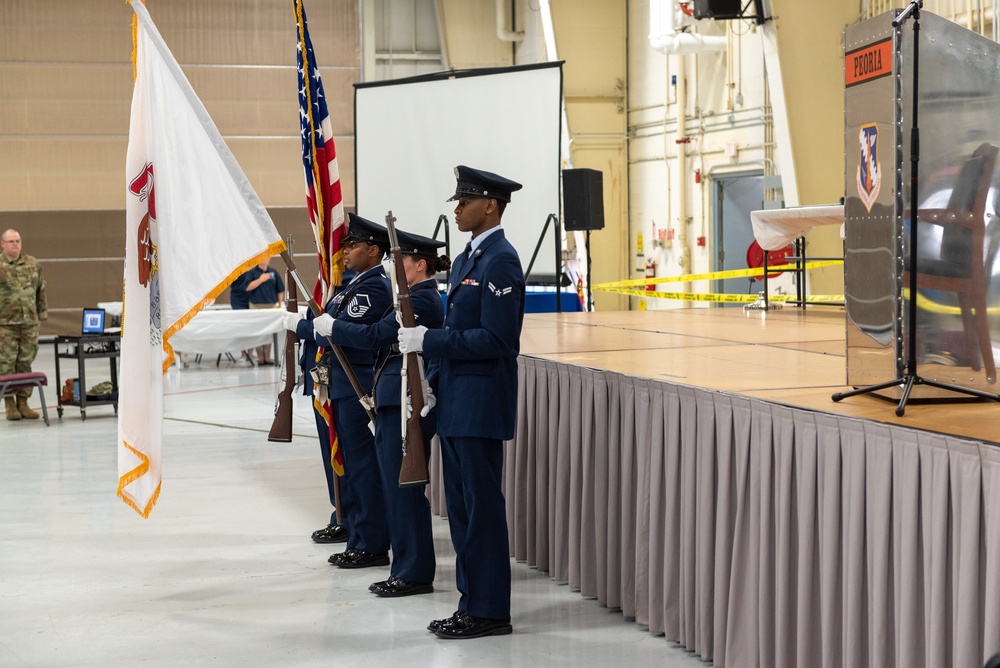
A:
<point x="292" y="320"/>
<point x="430" y="401"/>
<point x="323" y="324"/>
<point x="411" y="339"/>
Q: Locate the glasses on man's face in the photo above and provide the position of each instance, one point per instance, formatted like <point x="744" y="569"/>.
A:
<point x="11" y="241"/>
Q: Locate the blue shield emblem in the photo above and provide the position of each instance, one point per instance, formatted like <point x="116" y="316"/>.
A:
<point x="869" y="168"/>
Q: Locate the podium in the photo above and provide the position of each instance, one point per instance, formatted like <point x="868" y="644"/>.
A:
<point x="958" y="241"/>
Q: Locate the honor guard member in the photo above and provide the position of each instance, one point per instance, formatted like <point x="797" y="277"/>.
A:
<point x="362" y="301"/>
<point x="332" y="532"/>
<point x="477" y="401"/>
<point x="409" y="512"/>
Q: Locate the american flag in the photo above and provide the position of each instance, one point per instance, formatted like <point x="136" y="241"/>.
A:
<point x="324" y="198"/>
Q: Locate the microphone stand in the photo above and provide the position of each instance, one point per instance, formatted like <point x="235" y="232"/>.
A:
<point x="910" y="377"/>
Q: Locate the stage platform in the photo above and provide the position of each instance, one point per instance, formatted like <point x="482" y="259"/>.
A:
<point x="690" y="469"/>
<point x="793" y="357"/>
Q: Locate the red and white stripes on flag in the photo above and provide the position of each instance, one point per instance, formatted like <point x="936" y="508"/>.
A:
<point x="193" y="225"/>
<point x="324" y="198"/>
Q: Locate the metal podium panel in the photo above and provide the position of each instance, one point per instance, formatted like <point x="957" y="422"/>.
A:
<point x="959" y="111"/>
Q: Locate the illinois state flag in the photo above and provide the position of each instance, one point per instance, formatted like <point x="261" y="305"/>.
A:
<point x="194" y="224"/>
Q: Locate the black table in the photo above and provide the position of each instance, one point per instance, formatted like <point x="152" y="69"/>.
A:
<point x="81" y="349"/>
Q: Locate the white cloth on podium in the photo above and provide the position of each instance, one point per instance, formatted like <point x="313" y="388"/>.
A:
<point x="776" y="228"/>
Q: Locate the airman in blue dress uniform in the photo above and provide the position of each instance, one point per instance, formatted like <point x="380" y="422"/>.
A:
<point x="409" y="511"/>
<point x="363" y="301"/>
<point x="477" y="400"/>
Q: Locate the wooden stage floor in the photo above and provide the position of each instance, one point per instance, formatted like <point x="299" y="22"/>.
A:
<point x="791" y="356"/>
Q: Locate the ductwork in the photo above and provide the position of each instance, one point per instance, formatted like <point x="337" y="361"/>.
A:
<point x="503" y="34"/>
<point x="665" y="17"/>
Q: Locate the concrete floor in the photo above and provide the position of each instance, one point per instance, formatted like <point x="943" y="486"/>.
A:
<point x="223" y="571"/>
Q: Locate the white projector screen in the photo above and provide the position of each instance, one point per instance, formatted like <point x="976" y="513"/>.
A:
<point x="411" y="133"/>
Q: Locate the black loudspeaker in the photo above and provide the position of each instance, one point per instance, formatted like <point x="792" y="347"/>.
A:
<point x="583" y="199"/>
<point x="717" y="9"/>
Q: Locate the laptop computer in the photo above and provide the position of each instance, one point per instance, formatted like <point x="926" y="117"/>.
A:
<point x="93" y="322"/>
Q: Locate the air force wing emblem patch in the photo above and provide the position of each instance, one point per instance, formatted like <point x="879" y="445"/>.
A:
<point x="869" y="167"/>
<point x="499" y="292"/>
<point x="359" y="306"/>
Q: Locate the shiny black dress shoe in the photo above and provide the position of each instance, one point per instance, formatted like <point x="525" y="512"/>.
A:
<point x="330" y="534"/>
<point x="475" y="627"/>
<point x="394" y="588"/>
<point x="351" y="558"/>
<point x="381" y="583"/>
<point x="438" y="624"/>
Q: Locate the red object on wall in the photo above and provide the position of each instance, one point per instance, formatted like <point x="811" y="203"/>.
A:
<point x="650" y="273"/>
<point x="697" y="175"/>
<point x="755" y="258"/>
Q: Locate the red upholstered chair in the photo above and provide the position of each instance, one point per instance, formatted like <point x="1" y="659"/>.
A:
<point x="17" y="381"/>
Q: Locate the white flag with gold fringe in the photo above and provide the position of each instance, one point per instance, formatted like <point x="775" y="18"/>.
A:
<point x="193" y="225"/>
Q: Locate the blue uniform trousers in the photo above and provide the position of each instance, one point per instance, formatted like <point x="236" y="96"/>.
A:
<point x="409" y="511"/>
<point x="323" y="431"/>
<point x="365" y="513"/>
<point x="477" y="517"/>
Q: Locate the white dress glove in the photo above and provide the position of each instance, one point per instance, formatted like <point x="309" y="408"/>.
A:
<point x="430" y="401"/>
<point x="323" y="324"/>
<point x="292" y="320"/>
<point x="411" y="339"/>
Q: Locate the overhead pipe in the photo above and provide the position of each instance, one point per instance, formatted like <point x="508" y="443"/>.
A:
<point x="664" y="18"/>
<point x="503" y="34"/>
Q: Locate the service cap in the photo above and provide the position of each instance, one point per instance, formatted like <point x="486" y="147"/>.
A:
<point x="479" y="183"/>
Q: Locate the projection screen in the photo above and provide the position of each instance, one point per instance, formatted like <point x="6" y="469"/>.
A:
<point x="411" y="133"/>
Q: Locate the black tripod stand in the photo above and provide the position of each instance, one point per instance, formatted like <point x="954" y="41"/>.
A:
<point x="910" y="377"/>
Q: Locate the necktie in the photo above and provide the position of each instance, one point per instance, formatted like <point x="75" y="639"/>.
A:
<point x="468" y="250"/>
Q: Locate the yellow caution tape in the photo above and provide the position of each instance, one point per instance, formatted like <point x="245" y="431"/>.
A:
<point x="712" y="275"/>
<point x="719" y="297"/>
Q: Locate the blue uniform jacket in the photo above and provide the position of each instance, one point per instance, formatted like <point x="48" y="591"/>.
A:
<point x="478" y="347"/>
<point x="381" y="337"/>
<point x="363" y="302"/>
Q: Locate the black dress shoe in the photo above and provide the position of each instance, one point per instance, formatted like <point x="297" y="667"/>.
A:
<point x="330" y="534"/>
<point x="437" y="624"/>
<point x="351" y="558"/>
<point x="394" y="588"/>
<point x="381" y="583"/>
<point x="475" y="627"/>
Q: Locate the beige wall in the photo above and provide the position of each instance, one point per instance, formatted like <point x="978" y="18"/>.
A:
<point x="65" y="94"/>
<point x="591" y="38"/>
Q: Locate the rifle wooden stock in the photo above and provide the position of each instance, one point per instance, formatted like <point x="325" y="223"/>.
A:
<point x="281" y="427"/>
<point x="413" y="470"/>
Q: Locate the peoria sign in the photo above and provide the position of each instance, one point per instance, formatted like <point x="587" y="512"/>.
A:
<point x="870" y="62"/>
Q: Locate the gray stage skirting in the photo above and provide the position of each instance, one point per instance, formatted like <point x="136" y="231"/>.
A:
<point x="755" y="534"/>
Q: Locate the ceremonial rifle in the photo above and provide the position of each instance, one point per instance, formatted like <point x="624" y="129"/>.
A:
<point x="413" y="470"/>
<point x="281" y="427"/>
<point x="317" y="310"/>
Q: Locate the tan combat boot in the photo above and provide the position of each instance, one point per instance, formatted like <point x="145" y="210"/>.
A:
<point x="22" y="408"/>
<point x="12" y="412"/>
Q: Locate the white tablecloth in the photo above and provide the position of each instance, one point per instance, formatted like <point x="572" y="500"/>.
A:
<point x="214" y="332"/>
<point x="776" y="228"/>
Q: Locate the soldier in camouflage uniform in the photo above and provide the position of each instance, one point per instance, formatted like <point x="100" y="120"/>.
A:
<point x="22" y="307"/>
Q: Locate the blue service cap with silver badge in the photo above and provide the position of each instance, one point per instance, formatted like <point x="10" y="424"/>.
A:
<point x="362" y="229"/>
<point x="416" y="244"/>
<point x="479" y="183"/>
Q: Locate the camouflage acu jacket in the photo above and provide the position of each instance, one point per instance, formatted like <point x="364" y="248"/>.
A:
<point x="22" y="291"/>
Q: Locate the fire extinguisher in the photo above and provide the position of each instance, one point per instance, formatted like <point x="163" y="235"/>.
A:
<point x="579" y="292"/>
<point x="650" y="273"/>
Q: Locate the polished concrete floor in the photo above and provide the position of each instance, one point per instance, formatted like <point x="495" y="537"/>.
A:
<point x="223" y="572"/>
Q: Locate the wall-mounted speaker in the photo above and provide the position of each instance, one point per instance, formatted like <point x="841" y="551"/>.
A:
<point x="583" y="199"/>
<point x="717" y="9"/>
